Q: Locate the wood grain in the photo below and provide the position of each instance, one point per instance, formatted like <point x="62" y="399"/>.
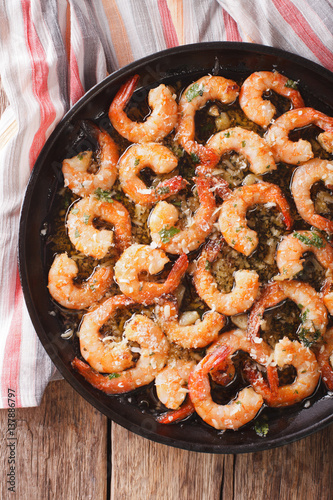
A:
<point x="144" y="470"/>
<point x="301" y="470"/>
<point x="61" y="449"/>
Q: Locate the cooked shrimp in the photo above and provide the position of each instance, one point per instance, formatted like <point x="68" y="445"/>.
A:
<point x="298" y="152"/>
<point x="159" y="123"/>
<point x="63" y="289"/>
<point x="164" y="217"/>
<point x="230" y="416"/>
<point x="325" y="359"/>
<point x="262" y="111"/>
<point x="239" y="299"/>
<point x="160" y="159"/>
<point x="249" y="144"/>
<point x="75" y="170"/>
<point x="104" y="355"/>
<point x="196" y="335"/>
<point x="232" y="218"/>
<point x="286" y="353"/>
<point x="195" y="96"/>
<point x="313" y="312"/>
<point x="293" y="246"/>
<point x="138" y="259"/>
<point x="304" y="178"/>
<point x="91" y="241"/>
<point x="171" y="382"/>
<point x="154" y="350"/>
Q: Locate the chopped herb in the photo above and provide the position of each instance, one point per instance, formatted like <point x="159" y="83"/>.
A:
<point x="194" y="91"/>
<point x="207" y="265"/>
<point x="75" y="211"/>
<point x="113" y="375"/>
<point x="92" y="287"/>
<point x="316" y="240"/>
<point x="80" y="156"/>
<point x="261" y="428"/>
<point x="195" y="158"/>
<point x="77" y="234"/>
<point x="227" y="134"/>
<point x="163" y="190"/>
<point x="238" y="402"/>
<point x="291" y="84"/>
<point x="177" y="203"/>
<point x="86" y="218"/>
<point x="152" y="354"/>
<point x="167" y="233"/>
<point x="295" y="391"/>
<point x="136" y="162"/>
<point x="233" y="242"/>
<point x="268" y="166"/>
<point x="304" y="315"/>
<point x="300" y="306"/>
<point x="103" y="195"/>
<point x="243" y="144"/>
<point x="308" y="337"/>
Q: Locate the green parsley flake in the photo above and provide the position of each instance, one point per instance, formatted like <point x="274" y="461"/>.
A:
<point x="194" y="91"/>
<point x="75" y="211"/>
<point x="316" y="240"/>
<point x="195" y="158"/>
<point x="77" y="233"/>
<point x="136" y="162"/>
<point x="80" y="156"/>
<point x="113" y="375"/>
<point x="86" y="218"/>
<point x="261" y="428"/>
<point x="227" y="134"/>
<point x="291" y="84"/>
<point x="103" y="195"/>
<point x="163" y="190"/>
<point x="207" y="265"/>
<point x="167" y="233"/>
<point x="243" y="144"/>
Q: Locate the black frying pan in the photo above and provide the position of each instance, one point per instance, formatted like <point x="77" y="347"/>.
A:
<point x="232" y="60"/>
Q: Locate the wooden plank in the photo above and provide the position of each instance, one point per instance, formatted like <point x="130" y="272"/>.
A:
<point x="143" y="470"/>
<point x="60" y="450"/>
<point x="300" y="470"/>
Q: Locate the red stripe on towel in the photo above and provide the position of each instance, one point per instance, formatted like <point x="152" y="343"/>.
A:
<point x="169" y="31"/>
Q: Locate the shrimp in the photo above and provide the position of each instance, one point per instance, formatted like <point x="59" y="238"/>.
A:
<point x="62" y="288"/>
<point x="262" y="111"/>
<point x="138" y="259"/>
<point x="286" y="353"/>
<point x="154" y="349"/>
<point x="294" y="245"/>
<point x="248" y="143"/>
<point x="313" y="312"/>
<point x="196" y="335"/>
<point x="91" y="241"/>
<point x="232" y="219"/>
<point x="304" y="178"/>
<point x="159" y="123"/>
<point x="298" y="152"/>
<point x="325" y="359"/>
<point x="160" y="159"/>
<point x="194" y="97"/>
<point x="104" y="355"/>
<point x="75" y="170"/>
<point x="164" y="217"/>
<point x="239" y="299"/>
<point x="230" y="416"/>
<point x="171" y="382"/>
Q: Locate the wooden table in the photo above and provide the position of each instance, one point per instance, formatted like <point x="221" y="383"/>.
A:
<point x="66" y="449"/>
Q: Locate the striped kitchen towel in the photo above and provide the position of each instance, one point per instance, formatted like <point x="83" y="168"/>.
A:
<point x="51" y="53"/>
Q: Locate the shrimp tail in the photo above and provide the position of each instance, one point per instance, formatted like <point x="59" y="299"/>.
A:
<point x="170" y="187"/>
<point x="327" y="374"/>
<point x="220" y="187"/>
<point x="175" y="416"/>
<point x="97" y="380"/>
<point x="176" y="273"/>
<point x="208" y="158"/>
<point x="215" y="358"/>
<point x="123" y="95"/>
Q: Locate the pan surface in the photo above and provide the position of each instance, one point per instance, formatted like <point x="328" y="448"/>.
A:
<point x="188" y="63"/>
